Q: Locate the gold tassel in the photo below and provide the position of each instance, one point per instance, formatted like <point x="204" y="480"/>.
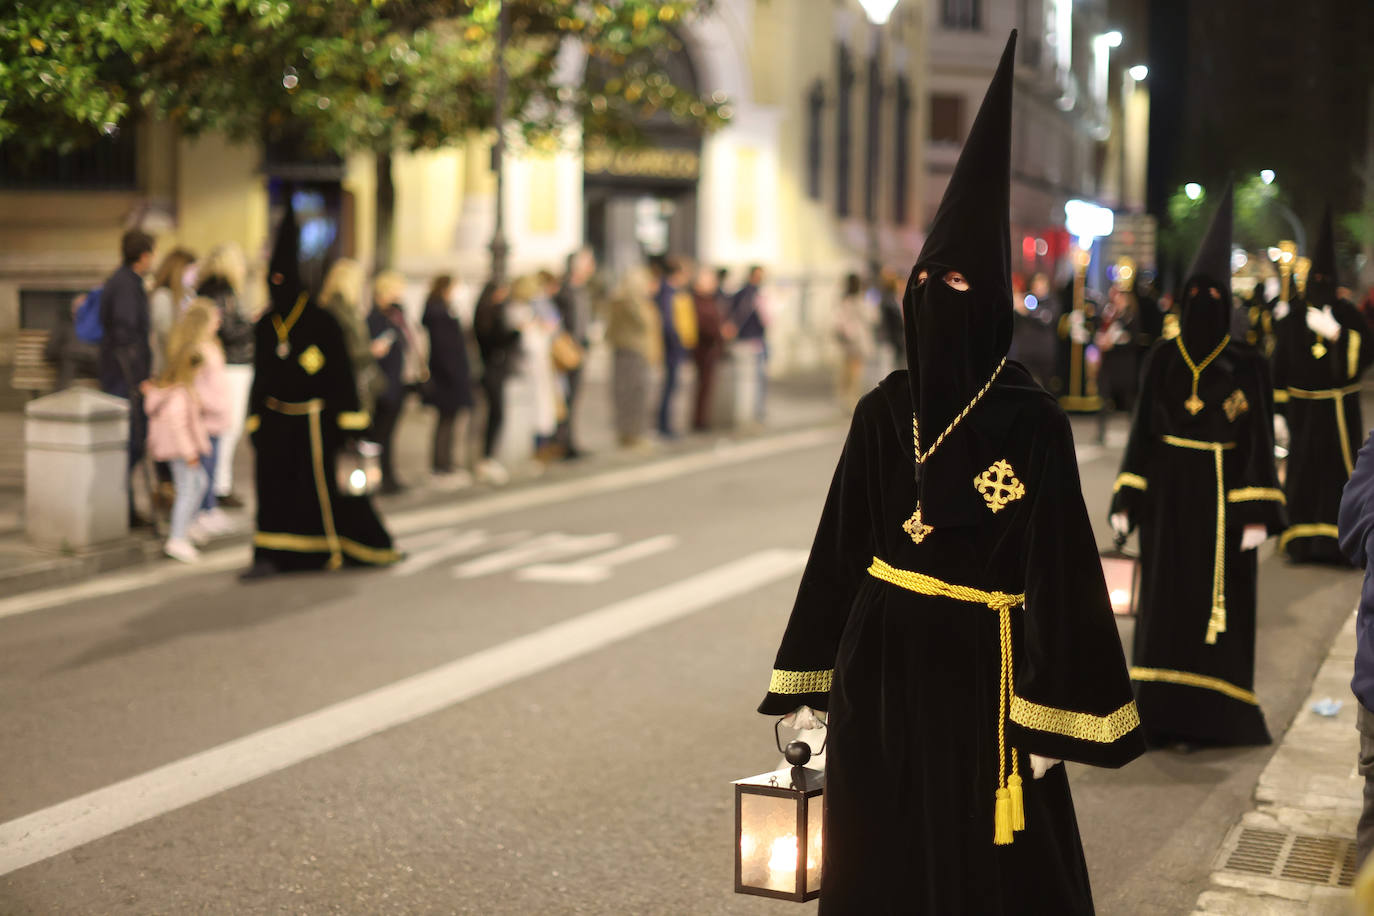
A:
<point x="1001" y="835"/>
<point x="1216" y="624"/>
<point x="1018" y="804"/>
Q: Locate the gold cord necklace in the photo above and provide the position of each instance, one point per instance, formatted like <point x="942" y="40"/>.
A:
<point x="1194" y="403"/>
<point x="916" y="526"/>
<point x="283" y="328"/>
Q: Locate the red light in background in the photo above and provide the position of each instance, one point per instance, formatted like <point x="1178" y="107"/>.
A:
<point x="1028" y="247"/>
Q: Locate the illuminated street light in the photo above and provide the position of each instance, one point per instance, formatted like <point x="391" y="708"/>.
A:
<point x="1267" y="176"/>
<point x="1139" y="72"/>
<point x="1112" y="39"/>
<point x="1193" y="190"/>
<point x="878" y="10"/>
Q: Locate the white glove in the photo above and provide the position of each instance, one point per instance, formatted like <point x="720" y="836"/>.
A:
<point x="1281" y="310"/>
<point x="803" y="718"/>
<point x="1253" y="536"/>
<point x="1323" y="323"/>
<point x="1121" y="523"/>
<point x="1041" y="765"/>
<point x="1280" y="430"/>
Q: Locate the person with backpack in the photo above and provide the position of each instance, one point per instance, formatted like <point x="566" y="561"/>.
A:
<point x="74" y="355"/>
<point x="126" y="356"/>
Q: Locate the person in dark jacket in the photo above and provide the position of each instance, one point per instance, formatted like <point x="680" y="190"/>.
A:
<point x="499" y="345"/>
<point x="674" y="350"/>
<point x="574" y="302"/>
<point x="748" y="326"/>
<point x="126" y="355"/>
<point x="386" y="326"/>
<point x="449" y="389"/>
<point x="706" y="299"/>
<point x="1356" y="526"/>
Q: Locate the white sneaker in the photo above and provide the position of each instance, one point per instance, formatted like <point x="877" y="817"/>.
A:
<point x="181" y="550"/>
<point x="196" y="533"/>
<point x="215" y="522"/>
<point x="490" y="472"/>
<point x="454" y="480"/>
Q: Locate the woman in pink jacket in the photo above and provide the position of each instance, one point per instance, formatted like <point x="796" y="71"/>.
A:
<point x="177" y="430"/>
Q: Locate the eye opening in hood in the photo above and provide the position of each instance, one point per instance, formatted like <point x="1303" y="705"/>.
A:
<point x="954" y="279"/>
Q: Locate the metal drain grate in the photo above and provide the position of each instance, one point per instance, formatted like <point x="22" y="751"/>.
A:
<point x="1324" y="860"/>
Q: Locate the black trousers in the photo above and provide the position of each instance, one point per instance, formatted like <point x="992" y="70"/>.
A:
<point x="564" y="435"/>
<point x="1364" y="829"/>
<point x="384" y="417"/>
<point x="495" y="390"/>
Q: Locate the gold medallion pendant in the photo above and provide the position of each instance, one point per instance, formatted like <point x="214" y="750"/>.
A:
<point x="916" y="527"/>
<point x="1319" y="349"/>
<point x="1194" y="404"/>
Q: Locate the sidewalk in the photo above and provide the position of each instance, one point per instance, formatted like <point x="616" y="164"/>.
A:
<point x="795" y="402"/>
<point x="1294" y="852"/>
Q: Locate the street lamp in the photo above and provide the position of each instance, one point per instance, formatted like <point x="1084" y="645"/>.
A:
<point x="500" y="248"/>
<point x="1139" y="72"/>
<point x="1267" y="176"/>
<point x="1112" y="39"/>
<point x="1193" y="190"/>
<point x="878" y="11"/>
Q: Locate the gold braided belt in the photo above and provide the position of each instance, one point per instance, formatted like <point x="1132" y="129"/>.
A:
<point x="1216" y="623"/>
<point x="1337" y="395"/>
<point x="1009" y="811"/>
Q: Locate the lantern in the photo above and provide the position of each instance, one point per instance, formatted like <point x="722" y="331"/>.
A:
<point x="358" y="468"/>
<point x="778" y="829"/>
<point x="1122" y="572"/>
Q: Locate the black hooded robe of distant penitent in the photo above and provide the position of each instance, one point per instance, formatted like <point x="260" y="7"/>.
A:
<point x="1317" y="383"/>
<point x="945" y="663"/>
<point x="1198" y="468"/>
<point x="302" y="407"/>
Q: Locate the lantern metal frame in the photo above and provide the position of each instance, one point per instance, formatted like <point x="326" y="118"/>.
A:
<point x="812" y="787"/>
<point x="1118" y="552"/>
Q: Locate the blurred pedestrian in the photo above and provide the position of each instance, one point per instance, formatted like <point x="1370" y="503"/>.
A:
<point x="1116" y="341"/>
<point x="223" y="279"/>
<point x="854" y="334"/>
<point x="177" y="432"/>
<point x="747" y="327"/>
<point x="390" y="343"/>
<point x="499" y="345"/>
<point x="890" y="318"/>
<point x="677" y="319"/>
<point x="197" y="330"/>
<point x="449" y="389"/>
<point x="342" y="296"/>
<point x="1198" y="480"/>
<point x="304" y="418"/>
<point x="533" y="312"/>
<point x="574" y="301"/>
<point x="73" y="357"/>
<point x="636" y="341"/>
<point x="173" y="287"/>
<point x="126" y="357"/>
<point x="708" y="303"/>
<point x="1033" y="341"/>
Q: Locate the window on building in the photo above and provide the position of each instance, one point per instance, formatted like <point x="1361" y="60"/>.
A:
<point x="946" y="119"/>
<point x="844" y="140"/>
<point x="964" y="15"/>
<point x="815" y="109"/>
<point x="902" y="163"/>
<point x="108" y="164"/>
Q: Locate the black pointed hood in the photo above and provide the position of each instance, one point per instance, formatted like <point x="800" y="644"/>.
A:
<point x="1206" y="294"/>
<point x="1321" y="277"/>
<point x="284" y="283"/>
<point x="957" y="335"/>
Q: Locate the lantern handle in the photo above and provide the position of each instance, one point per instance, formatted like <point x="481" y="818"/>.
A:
<point x="777" y="737"/>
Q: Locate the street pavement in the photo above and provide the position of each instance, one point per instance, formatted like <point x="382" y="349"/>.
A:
<point x="541" y="711"/>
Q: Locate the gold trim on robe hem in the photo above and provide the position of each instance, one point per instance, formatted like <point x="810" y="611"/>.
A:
<point x="795" y="682"/>
<point x="1189" y="679"/>
<point x="1253" y="494"/>
<point x="1316" y="530"/>
<point x="1352" y="355"/>
<point x="316" y="543"/>
<point x="1216" y="623"/>
<point x="354" y="419"/>
<point x="251" y="425"/>
<point x="1134" y="481"/>
<point x="1083" y="726"/>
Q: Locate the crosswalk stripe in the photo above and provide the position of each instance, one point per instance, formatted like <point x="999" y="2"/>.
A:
<point x="86" y="818"/>
<point x="544" y="547"/>
<point x="599" y="567"/>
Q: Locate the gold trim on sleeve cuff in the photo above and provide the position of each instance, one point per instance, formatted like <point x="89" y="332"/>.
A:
<point x="354" y="419"/>
<point x="1189" y="679"/>
<point x="1083" y="726"/>
<point x="795" y="682"/>
<point x="1252" y="494"/>
<point x="1308" y="531"/>
<point x="251" y="425"/>
<point x="1134" y="481"/>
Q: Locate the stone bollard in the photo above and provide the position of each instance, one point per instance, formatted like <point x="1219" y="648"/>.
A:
<point x="76" y="459"/>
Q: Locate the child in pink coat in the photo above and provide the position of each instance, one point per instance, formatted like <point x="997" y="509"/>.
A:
<point x="176" y="427"/>
<point x="212" y="389"/>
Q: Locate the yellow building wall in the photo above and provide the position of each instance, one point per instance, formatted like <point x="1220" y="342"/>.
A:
<point x="221" y="197"/>
<point x="429" y="198"/>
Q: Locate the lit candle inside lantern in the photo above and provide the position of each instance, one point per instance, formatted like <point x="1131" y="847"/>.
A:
<point x="1121" y="601"/>
<point x="784" y="858"/>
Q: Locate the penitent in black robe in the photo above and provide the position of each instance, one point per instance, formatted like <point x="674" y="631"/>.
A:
<point x="1320" y="395"/>
<point x="912" y="681"/>
<point x="1190" y="483"/>
<point x="303" y="406"/>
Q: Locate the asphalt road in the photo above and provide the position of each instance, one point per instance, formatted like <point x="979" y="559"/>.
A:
<point x="470" y="735"/>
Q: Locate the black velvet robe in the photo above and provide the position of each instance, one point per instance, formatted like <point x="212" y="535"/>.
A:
<point x="1188" y="689"/>
<point x="302" y="409"/>
<point x="912" y="682"/>
<point x="1321" y="399"/>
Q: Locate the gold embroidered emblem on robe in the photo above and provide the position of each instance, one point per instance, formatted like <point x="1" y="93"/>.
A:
<point x="1235" y="405"/>
<point x="312" y="360"/>
<point x="999" y="486"/>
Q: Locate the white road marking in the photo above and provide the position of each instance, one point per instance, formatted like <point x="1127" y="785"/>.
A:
<point x="546" y="546"/>
<point x="424" y="520"/>
<point x="460" y="544"/>
<point x="425" y="539"/>
<point x="86" y="818"/>
<point x="597" y="568"/>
